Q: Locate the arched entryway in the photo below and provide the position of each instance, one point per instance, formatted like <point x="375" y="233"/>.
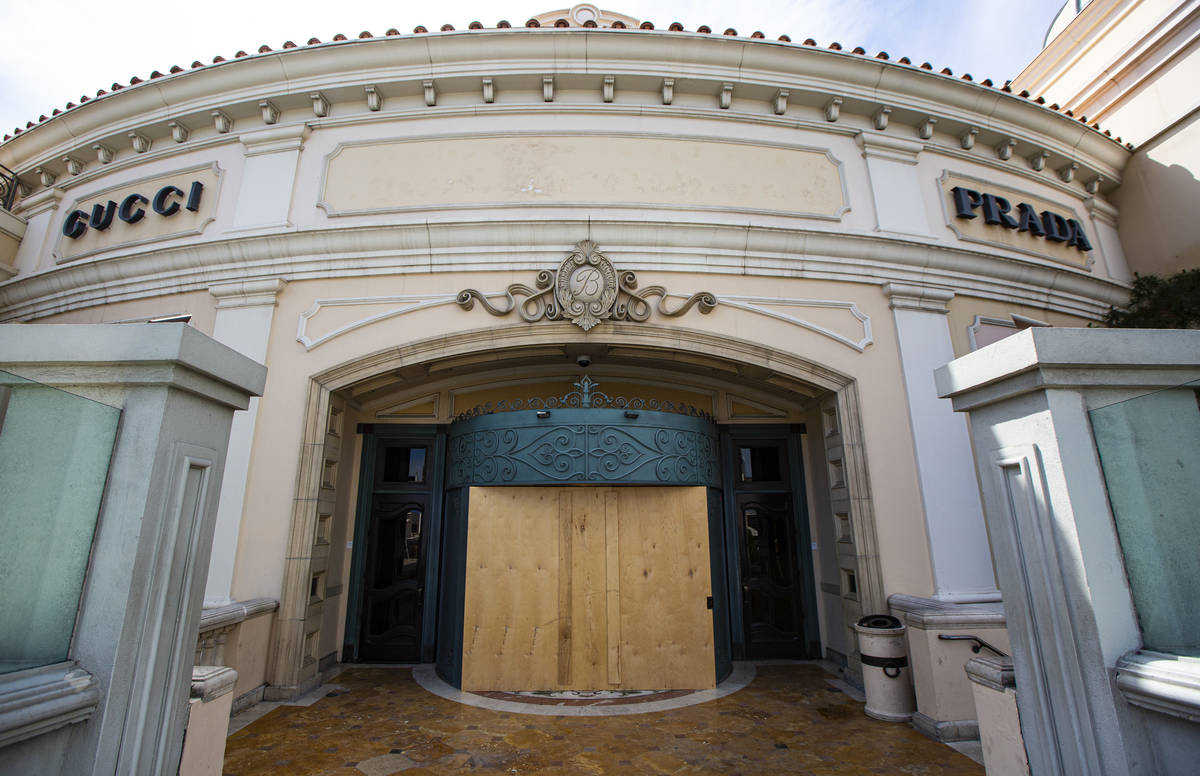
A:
<point x="661" y="357"/>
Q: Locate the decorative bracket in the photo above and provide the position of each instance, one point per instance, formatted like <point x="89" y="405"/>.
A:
<point x="833" y="108"/>
<point x="585" y="289"/>
<point x="781" y="100"/>
<point x="320" y="104"/>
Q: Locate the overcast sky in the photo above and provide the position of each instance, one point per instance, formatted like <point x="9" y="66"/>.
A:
<point x="54" y="51"/>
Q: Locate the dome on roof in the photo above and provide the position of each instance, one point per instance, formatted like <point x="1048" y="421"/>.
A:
<point x="580" y="14"/>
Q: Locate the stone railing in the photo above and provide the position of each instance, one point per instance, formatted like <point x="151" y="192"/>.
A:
<point x="217" y="623"/>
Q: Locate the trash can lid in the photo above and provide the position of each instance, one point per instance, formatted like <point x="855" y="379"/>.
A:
<point x="880" y="621"/>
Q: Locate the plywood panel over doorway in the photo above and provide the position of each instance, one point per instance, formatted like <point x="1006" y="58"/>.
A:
<point x="588" y="589"/>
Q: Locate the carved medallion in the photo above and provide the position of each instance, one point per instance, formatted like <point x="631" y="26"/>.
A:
<point x="586" y="289"/>
<point x="586" y="286"/>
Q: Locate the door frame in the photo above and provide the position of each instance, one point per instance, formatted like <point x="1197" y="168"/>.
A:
<point x="806" y="570"/>
<point x="434" y="437"/>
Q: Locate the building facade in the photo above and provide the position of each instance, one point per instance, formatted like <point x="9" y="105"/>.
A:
<point x="594" y="349"/>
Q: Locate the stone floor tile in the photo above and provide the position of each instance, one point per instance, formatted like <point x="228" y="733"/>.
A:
<point x="787" y="721"/>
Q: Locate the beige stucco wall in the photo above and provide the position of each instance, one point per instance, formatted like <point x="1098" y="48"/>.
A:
<point x="281" y="414"/>
<point x="940" y="680"/>
<point x="1159" y="228"/>
<point x="964" y="309"/>
<point x="248" y="650"/>
<point x="199" y="304"/>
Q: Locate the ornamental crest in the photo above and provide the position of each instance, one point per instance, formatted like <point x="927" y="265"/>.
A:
<point x="586" y="285"/>
<point x="585" y="289"/>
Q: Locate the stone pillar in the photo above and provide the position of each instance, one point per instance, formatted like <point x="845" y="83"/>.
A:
<point x="244" y="314"/>
<point x="208" y="721"/>
<point x="995" y="688"/>
<point x="265" y="196"/>
<point x="1067" y="599"/>
<point x="895" y="186"/>
<point x="958" y="542"/>
<point x="139" y="611"/>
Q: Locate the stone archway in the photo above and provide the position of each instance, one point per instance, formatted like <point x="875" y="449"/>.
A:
<point x="290" y="674"/>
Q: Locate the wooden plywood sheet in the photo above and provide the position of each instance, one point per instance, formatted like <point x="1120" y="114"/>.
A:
<point x="665" y="581"/>
<point x="510" y="627"/>
<point x="587" y="588"/>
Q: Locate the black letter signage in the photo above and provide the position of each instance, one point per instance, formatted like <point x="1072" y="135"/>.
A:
<point x="997" y="212"/>
<point x="166" y="203"/>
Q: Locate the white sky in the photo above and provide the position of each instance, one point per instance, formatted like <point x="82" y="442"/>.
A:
<point x="54" y="51"/>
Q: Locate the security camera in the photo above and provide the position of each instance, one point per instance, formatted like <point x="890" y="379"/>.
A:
<point x="583" y="361"/>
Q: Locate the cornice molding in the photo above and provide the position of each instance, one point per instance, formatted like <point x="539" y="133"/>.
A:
<point x="247" y="293"/>
<point x="524" y="244"/>
<point x="925" y="299"/>
<point x="399" y="66"/>
<point x="38" y="700"/>
<point x="1168" y="684"/>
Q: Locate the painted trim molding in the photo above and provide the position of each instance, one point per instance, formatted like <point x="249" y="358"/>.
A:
<point x="1168" y="684"/>
<point x="40" y="700"/>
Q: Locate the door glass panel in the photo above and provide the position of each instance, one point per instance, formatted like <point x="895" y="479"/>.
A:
<point x="392" y="616"/>
<point x="771" y="595"/>
<point x="759" y="464"/>
<point x="403" y="464"/>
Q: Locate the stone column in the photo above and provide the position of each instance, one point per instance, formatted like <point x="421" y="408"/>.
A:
<point x="895" y="186"/>
<point x="139" y="611"/>
<point x="958" y="542"/>
<point x="1067" y="599"/>
<point x="244" y="314"/>
<point x="268" y="177"/>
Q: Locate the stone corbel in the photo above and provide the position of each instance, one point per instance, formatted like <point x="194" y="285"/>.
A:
<point x="925" y="130"/>
<point x="547" y="88"/>
<point x="179" y="133"/>
<point x="967" y="139"/>
<point x="46" y="177"/>
<point x="668" y="90"/>
<point x="833" y="109"/>
<point x="141" y="143"/>
<point x="725" y="98"/>
<point x="104" y="153"/>
<point x="880" y="119"/>
<point x="781" y="101"/>
<point x="1066" y="173"/>
<point x="1004" y="151"/>
<point x="374" y="98"/>
<point x="320" y="104"/>
<point x="1038" y="160"/>
<point x="222" y="122"/>
<point x="270" y="113"/>
<point x="430" y="93"/>
<point x="75" y="166"/>
<point x="609" y="89"/>
<point x="489" y="90"/>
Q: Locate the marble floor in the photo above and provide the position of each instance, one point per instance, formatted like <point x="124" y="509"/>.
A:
<point x="378" y="721"/>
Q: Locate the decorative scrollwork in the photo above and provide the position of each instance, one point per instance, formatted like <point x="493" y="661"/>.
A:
<point x="584" y="396"/>
<point x="586" y="289"/>
<point x="654" y="451"/>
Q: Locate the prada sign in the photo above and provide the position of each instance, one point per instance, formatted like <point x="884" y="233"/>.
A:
<point x="998" y="211"/>
<point x="166" y="202"/>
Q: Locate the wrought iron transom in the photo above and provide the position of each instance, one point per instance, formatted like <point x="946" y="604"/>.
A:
<point x="584" y="396"/>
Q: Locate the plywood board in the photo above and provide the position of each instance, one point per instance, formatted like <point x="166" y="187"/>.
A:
<point x="666" y="626"/>
<point x="510" y="625"/>
<point x="587" y="588"/>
